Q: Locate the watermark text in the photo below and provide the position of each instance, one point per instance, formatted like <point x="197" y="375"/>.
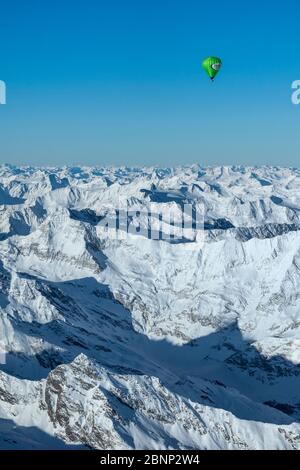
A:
<point x="2" y="92"/>
<point x="296" y="93"/>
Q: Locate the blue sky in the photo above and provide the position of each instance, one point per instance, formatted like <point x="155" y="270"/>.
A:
<point x="120" y="82"/>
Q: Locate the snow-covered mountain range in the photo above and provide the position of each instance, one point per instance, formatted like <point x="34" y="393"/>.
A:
<point x="129" y="342"/>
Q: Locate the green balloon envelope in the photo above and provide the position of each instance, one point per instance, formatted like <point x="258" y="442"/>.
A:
<point x="212" y="66"/>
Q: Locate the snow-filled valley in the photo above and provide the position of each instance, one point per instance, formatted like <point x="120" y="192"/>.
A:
<point x="137" y="342"/>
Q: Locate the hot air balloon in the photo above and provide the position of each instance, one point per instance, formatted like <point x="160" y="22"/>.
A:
<point x="212" y="66"/>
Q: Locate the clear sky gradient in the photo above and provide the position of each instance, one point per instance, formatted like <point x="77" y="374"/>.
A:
<point x="120" y="82"/>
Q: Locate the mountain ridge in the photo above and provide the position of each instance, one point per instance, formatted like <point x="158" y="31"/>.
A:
<point x="123" y="341"/>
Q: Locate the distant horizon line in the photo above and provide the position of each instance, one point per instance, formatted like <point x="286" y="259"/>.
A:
<point x="142" y="167"/>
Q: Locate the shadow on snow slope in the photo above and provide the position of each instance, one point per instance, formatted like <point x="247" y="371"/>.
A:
<point x="207" y="370"/>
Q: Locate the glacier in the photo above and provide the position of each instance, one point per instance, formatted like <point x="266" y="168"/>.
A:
<point x="137" y="343"/>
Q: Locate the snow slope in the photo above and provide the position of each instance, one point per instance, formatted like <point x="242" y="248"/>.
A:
<point x="120" y="342"/>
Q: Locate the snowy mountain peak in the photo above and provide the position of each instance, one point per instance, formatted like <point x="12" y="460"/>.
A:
<point x="121" y="327"/>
